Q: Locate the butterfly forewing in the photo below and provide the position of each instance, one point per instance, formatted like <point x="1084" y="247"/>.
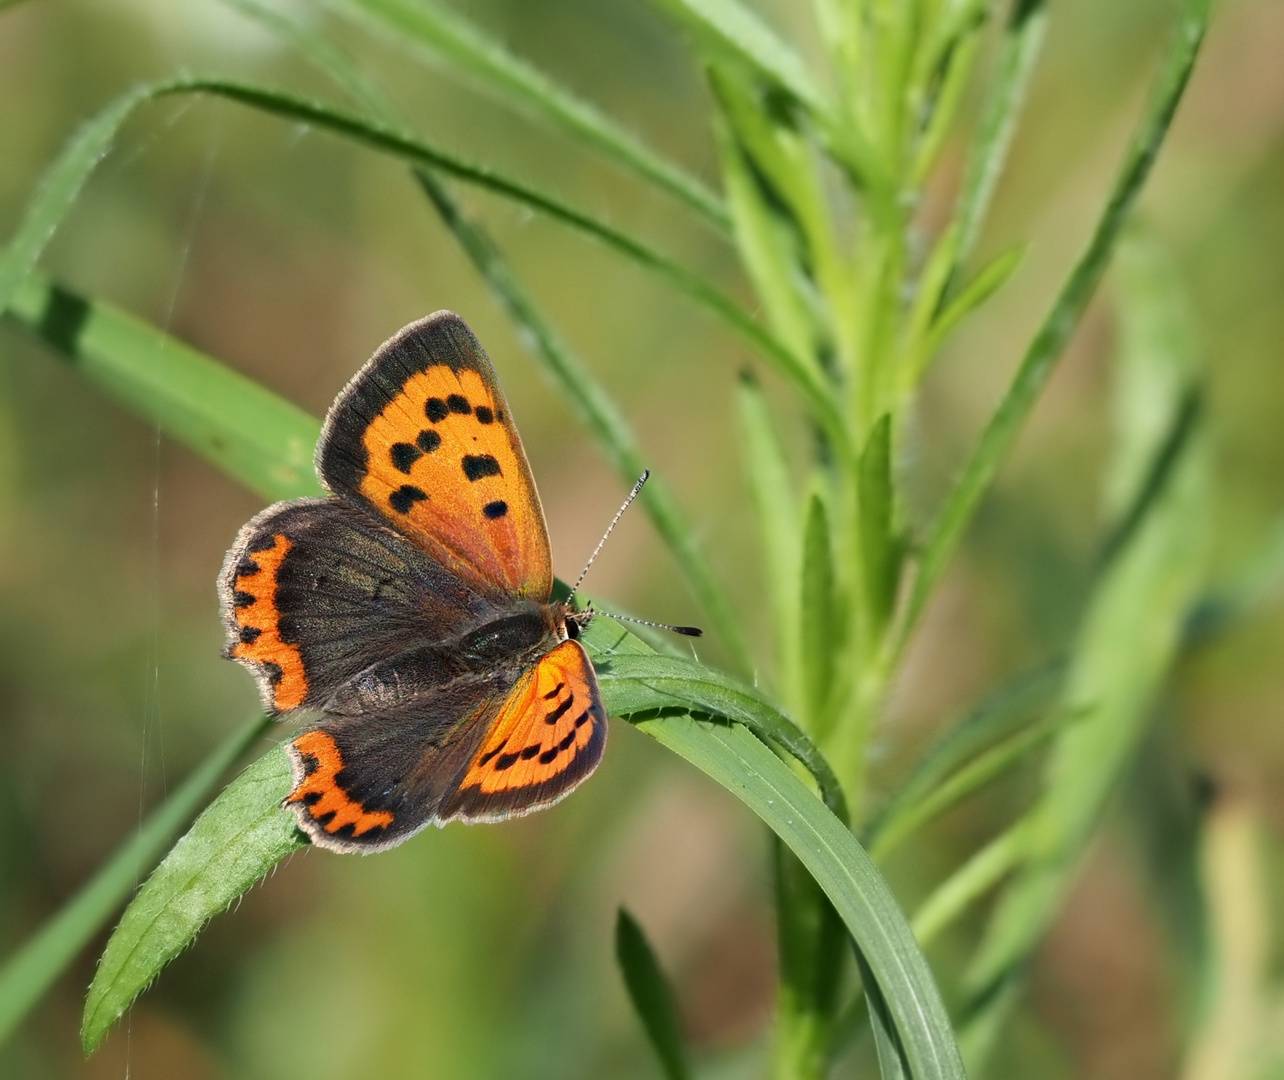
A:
<point x="314" y="589"/>
<point x="423" y="437"/>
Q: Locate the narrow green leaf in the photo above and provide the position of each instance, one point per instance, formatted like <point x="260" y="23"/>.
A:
<point x="984" y="284"/>
<point x="891" y="1056"/>
<point x="652" y="996"/>
<point x="768" y="247"/>
<point x="811" y="951"/>
<point x="738" y="761"/>
<point x="598" y="412"/>
<point x="969" y="779"/>
<point x="235" y="842"/>
<point x="1130" y="635"/>
<point x="30" y="971"/>
<point x="880" y="547"/>
<point x="998" y="717"/>
<point x="1050" y="341"/>
<point x="774" y="501"/>
<point x="426" y="28"/>
<point x="59" y="188"/>
<point x="248" y="432"/>
<point x="68" y="173"/>
<point x="821" y="620"/>
<point x="730" y="28"/>
<point x="985" y="869"/>
<point x="1022" y="39"/>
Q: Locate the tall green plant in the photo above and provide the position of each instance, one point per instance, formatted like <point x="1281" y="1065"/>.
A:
<point x="821" y="179"/>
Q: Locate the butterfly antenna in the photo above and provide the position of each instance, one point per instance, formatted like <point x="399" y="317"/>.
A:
<point x="687" y="631"/>
<point x="618" y="514"/>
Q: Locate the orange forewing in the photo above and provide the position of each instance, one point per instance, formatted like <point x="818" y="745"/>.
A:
<point x="548" y="735"/>
<point x="257" y="621"/>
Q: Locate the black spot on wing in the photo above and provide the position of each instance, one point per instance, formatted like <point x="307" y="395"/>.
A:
<point x="242" y="599"/>
<point x="436" y="409"/>
<point x="483" y="414"/>
<point x="262" y="542"/>
<point x="478" y="466"/>
<point x="405" y="497"/>
<point x="457" y="403"/>
<point x="428" y="441"/>
<point x="506" y="761"/>
<point x="560" y="711"/>
<point x="404" y="455"/>
<point x="555" y="691"/>
<point x="250" y="634"/>
<point x="247" y="567"/>
<point x="495" y="510"/>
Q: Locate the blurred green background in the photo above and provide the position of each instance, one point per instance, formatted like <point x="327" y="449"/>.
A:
<point x="487" y="951"/>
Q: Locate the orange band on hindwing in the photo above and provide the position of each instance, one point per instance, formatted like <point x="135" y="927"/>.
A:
<point x="318" y="790"/>
<point x="258" y="619"/>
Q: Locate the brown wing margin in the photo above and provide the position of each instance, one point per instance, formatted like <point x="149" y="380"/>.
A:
<point x="422" y="435"/>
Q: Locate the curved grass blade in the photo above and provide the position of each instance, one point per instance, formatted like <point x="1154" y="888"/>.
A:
<point x="1053" y="335"/>
<point x="68" y="173"/>
<point x="29" y="972"/>
<point x="424" y="28"/>
<point x="235" y="842"/>
<point x="652" y="996"/>
<point x="737" y="760"/>
<point x="250" y="433"/>
<point x="599" y="414"/>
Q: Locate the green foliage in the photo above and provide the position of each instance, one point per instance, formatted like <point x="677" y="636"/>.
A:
<point x="821" y="174"/>
<point x="651" y="994"/>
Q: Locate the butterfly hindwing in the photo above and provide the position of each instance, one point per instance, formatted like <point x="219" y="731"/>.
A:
<point x="483" y="748"/>
<point x="315" y="590"/>
<point x="547" y="737"/>
<point x="422" y="435"/>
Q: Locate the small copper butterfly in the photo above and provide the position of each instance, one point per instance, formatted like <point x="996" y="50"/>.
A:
<point x="412" y="608"/>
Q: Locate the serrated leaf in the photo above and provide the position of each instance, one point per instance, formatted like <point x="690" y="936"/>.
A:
<point x="652" y="996"/>
<point x="234" y="843"/>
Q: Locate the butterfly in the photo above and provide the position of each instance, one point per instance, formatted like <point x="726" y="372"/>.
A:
<point x="412" y="608"/>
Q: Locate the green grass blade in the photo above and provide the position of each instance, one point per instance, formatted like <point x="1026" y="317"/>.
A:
<point x="880" y="549"/>
<point x="738" y="761"/>
<point x="598" y="412"/>
<point x="1022" y="40"/>
<point x="1132" y="629"/>
<point x="59" y="188"/>
<point x="1050" y="340"/>
<point x="652" y="996"/>
<point x="431" y="29"/>
<point x="970" y="882"/>
<point x="731" y="29"/>
<point x="30" y="971"/>
<point x="821" y="621"/>
<point x="969" y="779"/>
<point x="891" y="1056"/>
<point x="999" y="716"/>
<point x="239" y="838"/>
<point x="64" y="179"/>
<point x="775" y="502"/>
<point x="248" y="432"/>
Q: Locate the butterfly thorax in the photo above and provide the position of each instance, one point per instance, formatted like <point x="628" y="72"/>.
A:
<point x="498" y="647"/>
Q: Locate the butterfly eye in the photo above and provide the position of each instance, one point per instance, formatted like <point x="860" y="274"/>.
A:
<point x="573" y="629"/>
